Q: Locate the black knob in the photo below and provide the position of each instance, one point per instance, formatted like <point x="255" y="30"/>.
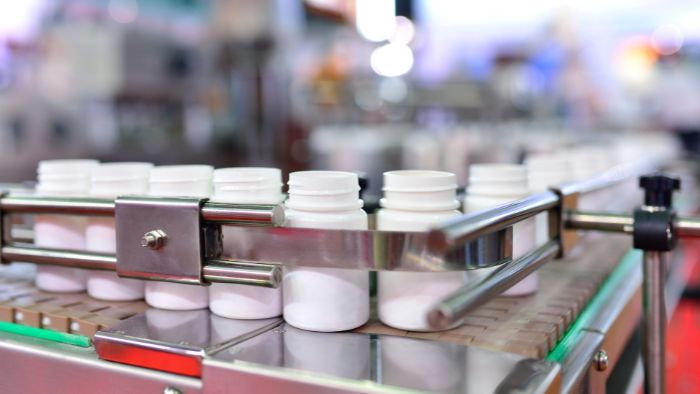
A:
<point x="658" y="189"/>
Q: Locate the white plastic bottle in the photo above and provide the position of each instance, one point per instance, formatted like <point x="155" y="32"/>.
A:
<point x="61" y="178"/>
<point x="545" y="171"/>
<point x="413" y="201"/>
<point x="179" y="181"/>
<point x="491" y="185"/>
<point x="325" y="299"/>
<point x="245" y="186"/>
<point x="110" y="181"/>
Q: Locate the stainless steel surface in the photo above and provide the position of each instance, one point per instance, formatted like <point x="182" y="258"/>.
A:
<point x="531" y="376"/>
<point x="466" y="228"/>
<point x="457" y="305"/>
<point x="180" y="259"/>
<point x="174" y="341"/>
<point x="654" y="322"/>
<point x="362" y="249"/>
<point x="600" y="360"/>
<point x="290" y="360"/>
<point x="577" y="367"/>
<point x="599" y="221"/>
<point x="57" y="205"/>
<point x="243" y="273"/>
<point x="39" y="366"/>
<point x="243" y="215"/>
<point x="66" y="258"/>
<point x="687" y="227"/>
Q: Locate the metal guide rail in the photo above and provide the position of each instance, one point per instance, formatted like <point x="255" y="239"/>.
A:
<point x="181" y="240"/>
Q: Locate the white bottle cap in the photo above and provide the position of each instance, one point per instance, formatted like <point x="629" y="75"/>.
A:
<point x="114" y="179"/>
<point x="64" y="177"/>
<point x="257" y="185"/>
<point x="78" y="167"/>
<point x="184" y="180"/>
<point x="420" y="190"/>
<point x="498" y="180"/>
<point x="547" y="170"/>
<point x="323" y="191"/>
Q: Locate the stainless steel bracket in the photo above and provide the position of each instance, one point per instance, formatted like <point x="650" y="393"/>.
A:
<point x="160" y="239"/>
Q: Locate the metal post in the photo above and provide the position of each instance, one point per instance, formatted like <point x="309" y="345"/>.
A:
<point x="654" y="322"/>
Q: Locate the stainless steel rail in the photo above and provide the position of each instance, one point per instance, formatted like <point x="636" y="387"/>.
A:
<point x="466" y="228"/>
<point x="239" y="214"/>
<point x="599" y="221"/>
<point x="470" y="297"/>
<point x="214" y="271"/>
<point x="66" y="258"/>
<point x="243" y="273"/>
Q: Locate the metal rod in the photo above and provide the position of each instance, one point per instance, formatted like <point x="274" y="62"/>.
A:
<point x="57" y="205"/>
<point x="466" y="228"/>
<point x="240" y="214"/>
<point x="215" y="270"/>
<point x="244" y="273"/>
<point x="66" y="258"/>
<point x="687" y="227"/>
<point x="261" y="215"/>
<point x="468" y="298"/>
<point x="599" y="221"/>
<point x="654" y="322"/>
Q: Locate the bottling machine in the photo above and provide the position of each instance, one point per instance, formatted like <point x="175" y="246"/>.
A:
<point x="569" y="337"/>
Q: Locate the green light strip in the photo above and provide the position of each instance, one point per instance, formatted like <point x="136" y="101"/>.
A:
<point x="49" y="335"/>
<point x="631" y="259"/>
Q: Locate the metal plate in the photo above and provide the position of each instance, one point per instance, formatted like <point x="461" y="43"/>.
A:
<point x="32" y="365"/>
<point x="174" y="341"/>
<point x="366" y="250"/>
<point x="290" y="360"/>
<point x="180" y="257"/>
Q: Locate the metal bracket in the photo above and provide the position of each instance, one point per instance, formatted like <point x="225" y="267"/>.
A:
<point x="160" y="239"/>
<point x="568" y="238"/>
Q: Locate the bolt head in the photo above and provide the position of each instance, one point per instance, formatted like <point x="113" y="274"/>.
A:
<point x="154" y="239"/>
<point x="601" y="360"/>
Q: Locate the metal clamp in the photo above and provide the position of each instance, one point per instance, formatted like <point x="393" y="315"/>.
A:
<point x="142" y="226"/>
<point x="169" y="239"/>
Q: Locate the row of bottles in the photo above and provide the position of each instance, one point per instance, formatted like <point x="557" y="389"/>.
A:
<point x="317" y="299"/>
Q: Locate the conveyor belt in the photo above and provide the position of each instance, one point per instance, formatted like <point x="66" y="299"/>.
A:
<point x="532" y="325"/>
<point x="529" y="326"/>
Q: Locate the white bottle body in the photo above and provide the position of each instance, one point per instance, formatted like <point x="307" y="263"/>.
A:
<point x="178" y="181"/>
<point x="494" y="185"/>
<point x="245" y="186"/>
<point x="326" y="299"/>
<point x="61" y="178"/>
<point x="111" y="180"/>
<point x="404" y="298"/>
<point x="60" y="232"/>
<point x="100" y="236"/>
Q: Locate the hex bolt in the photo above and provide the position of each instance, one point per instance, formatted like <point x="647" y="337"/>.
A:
<point x="601" y="360"/>
<point x="154" y="239"/>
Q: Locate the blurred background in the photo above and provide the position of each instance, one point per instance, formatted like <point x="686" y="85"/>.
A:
<point x="366" y="85"/>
